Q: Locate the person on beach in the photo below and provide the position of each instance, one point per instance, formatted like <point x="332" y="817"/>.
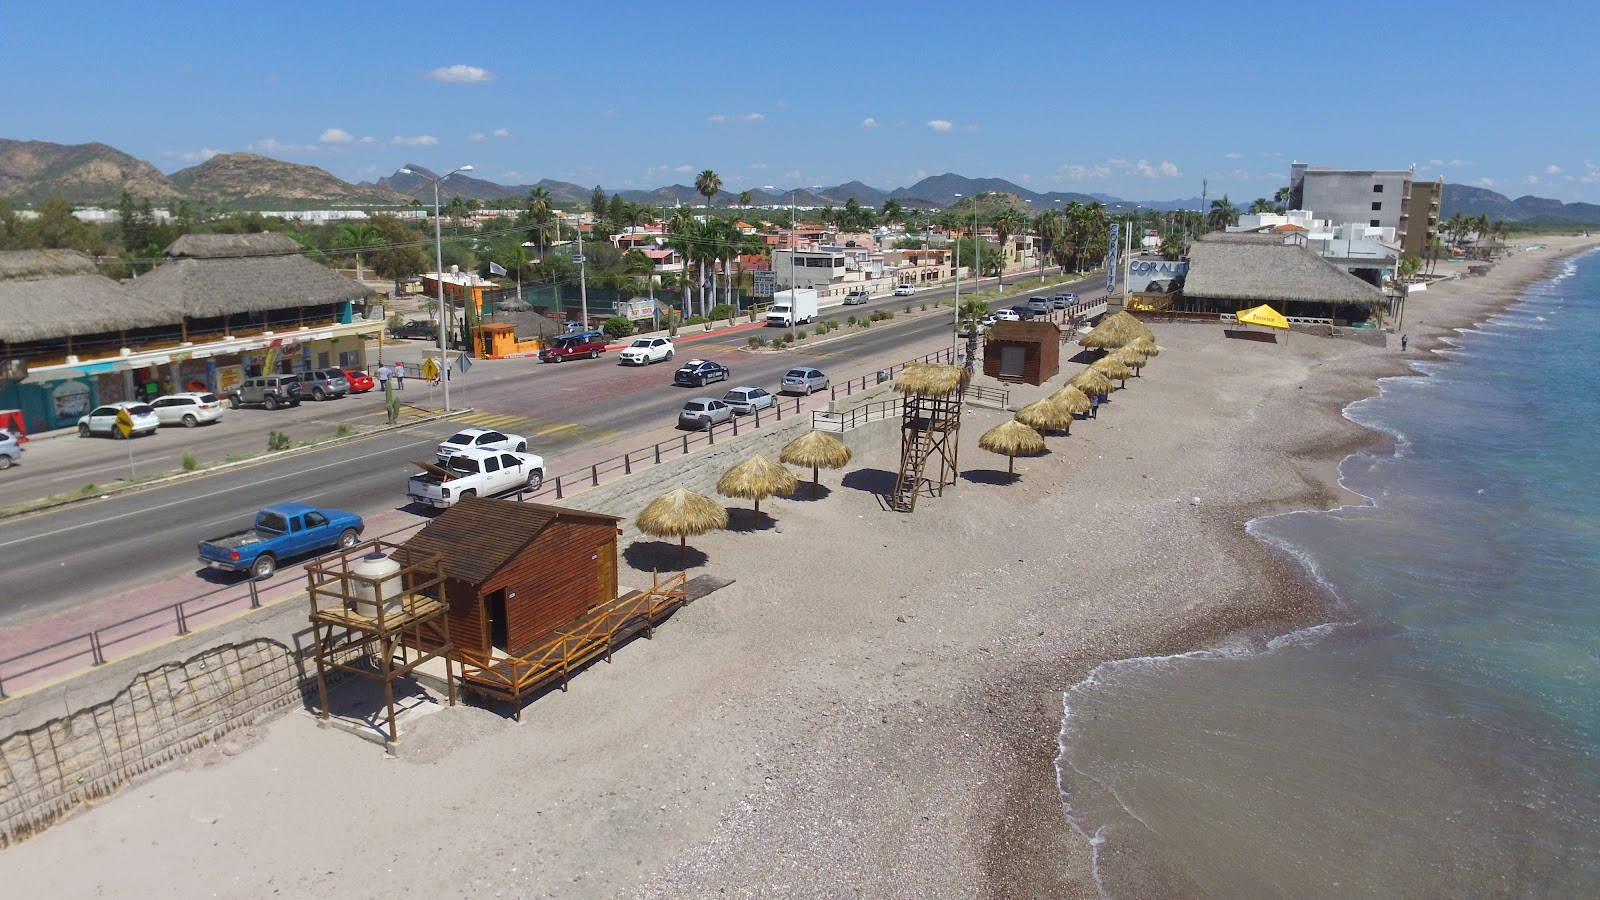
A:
<point x="1094" y="405"/>
<point x="1404" y="339"/>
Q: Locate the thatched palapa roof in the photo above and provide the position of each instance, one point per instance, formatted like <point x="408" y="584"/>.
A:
<point x="1117" y="330"/>
<point x="212" y="275"/>
<point x="48" y="294"/>
<point x="920" y="379"/>
<point x="1254" y="273"/>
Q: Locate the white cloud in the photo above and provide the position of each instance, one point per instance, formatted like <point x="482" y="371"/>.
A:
<point x="940" y="125"/>
<point x="1458" y="163"/>
<point x="459" y="74"/>
<point x="336" y="136"/>
<point x="688" y="168"/>
<point x="1531" y="179"/>
<point x="869" y="122"/>
<point x="1436" y="163"/>
<point x="1163" y="170"/>
<point x="502" y="132"/>
<point x="273" y="145"/>
<point x="200" y="155"/>
<point x="421" y="140"/>
<point x="368" y="139"/>
<point x="1552" y="169"/>
<point x="758" y="165"/>
<point x="1233" y="156"/>
<point x="477" y="136"/>
<point x="512" y="176"/>
<point x="1591" y="173"/>
<point x="742" y="118"/>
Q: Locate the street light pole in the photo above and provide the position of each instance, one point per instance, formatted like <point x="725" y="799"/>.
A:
<point x="438" y="274"/>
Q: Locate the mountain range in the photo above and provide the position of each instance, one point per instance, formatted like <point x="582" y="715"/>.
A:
<point x="97" y="174"/>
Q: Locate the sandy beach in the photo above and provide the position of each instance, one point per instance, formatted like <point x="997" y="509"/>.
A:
<point x="870" y="710"/>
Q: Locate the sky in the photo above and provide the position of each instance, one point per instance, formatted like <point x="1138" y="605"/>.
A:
<point x="1139" y="101"/>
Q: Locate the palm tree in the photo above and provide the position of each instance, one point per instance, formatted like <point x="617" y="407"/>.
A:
<point x="1222" y="214"/>
<point x="539" y="216"/>
<point x="708" y="183"/>
<point x="892" y="212"/>
<point x="1006" y="224"/>
<point x="744" y="199"/>
<point x="1281" y="198"/>
<point x="1048" y="227"/>
<point x="1261" y="205"/>
<point x="358" y="236"/>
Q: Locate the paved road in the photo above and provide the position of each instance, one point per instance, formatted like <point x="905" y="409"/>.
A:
<point x="98" y="548"/>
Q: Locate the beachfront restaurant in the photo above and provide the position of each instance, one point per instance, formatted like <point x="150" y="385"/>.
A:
<point x="1227" y="274"/>
<point x="220" y="308"/>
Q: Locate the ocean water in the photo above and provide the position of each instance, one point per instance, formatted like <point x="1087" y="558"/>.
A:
<point x="1441" y="735"/>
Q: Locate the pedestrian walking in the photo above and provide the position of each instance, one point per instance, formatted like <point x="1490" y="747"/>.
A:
<point x="399" y="376"/>
<point x="383" y="376"/>
<point x="1094" y="405"/>
<point x="1404" y="339"/>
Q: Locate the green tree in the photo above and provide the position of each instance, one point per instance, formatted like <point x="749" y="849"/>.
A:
<point x="597" y="202"/>
<point x="1006" y="224"/>
<point x="538" y="217"/>
<point x="359" y="237"/>
<point x="1261" y="205"/>
<point x="708" y="183"/>
<point x="744" y="199"/>
<point x="617" y="212"/>
<point x="1280" y="197"/>
<point x="58" y="229"/>
<point x="400" y="255"/>
<point x="892" y="212"/>
<point x="1222" y="214"/>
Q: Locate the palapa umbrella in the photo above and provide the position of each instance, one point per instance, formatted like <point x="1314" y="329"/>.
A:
<point x="755" y="478"/>
<point x="1013" y="439"/>
<point x="679" y="513"/>
<point x="815" y="448"/>
<point x="1116" y="331"/>
<point x="1147" y="346"/>
<point x="1074" y="401"/>
<point x="1092" y="381"/>
<point x="1130" y="357"/>
<point x="1045" y="415"/>
<point x="1112" y="368"/>
<point x="921" y="379"/>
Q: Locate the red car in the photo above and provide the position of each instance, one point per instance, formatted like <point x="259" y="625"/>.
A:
<point x="360" y="382"/>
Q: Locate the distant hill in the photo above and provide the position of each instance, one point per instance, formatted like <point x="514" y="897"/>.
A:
<point x="676" y="195"/>
<point x="249" y="181"/>
<point x="1526" y="210"/>
<point x="86" y="174"/>
<point x="866" y="195"/>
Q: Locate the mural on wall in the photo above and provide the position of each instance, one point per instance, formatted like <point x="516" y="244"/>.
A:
<point x="69" y="400"/>
<point x="228" y="378"/>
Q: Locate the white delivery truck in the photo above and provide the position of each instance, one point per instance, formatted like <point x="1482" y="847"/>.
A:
<point x="791" y="308"/>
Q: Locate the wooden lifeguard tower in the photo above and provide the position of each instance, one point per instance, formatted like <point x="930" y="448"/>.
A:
<point x="930" y="426"/>
<point x="378" y="613"/>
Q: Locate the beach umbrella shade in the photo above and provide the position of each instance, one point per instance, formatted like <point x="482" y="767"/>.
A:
<point x="1116" y="331"/>
<point x="1045" y="415"/>
<point x="679" y="513"/>
<point x="815" y="449"/>
<point x="1073" y="400"/>
<point x="1013" y="439"/>
<point x="1147" y="346"/>
<point x="1092" y="382"/>
<point x="921" y="379"/>
<point x="755" y="478"/>
<point x="1112" y="368"/>
<point x="1131" y="358"/>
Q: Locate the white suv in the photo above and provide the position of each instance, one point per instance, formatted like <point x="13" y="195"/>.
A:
<point x="188" y="409"/>
<point x="645" y="351"/>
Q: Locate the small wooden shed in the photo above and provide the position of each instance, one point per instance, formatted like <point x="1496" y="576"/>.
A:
<point x="1029" y="352"/>
<point x="514" y="572"/>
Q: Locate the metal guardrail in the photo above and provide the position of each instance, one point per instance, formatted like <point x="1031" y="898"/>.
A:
<point x="822" y="420"/>
<point x="942" y="357"/>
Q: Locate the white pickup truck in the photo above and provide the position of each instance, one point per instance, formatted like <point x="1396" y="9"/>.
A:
<point x="475" y="473"/>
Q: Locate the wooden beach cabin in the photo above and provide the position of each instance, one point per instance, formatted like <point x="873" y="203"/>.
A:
<point x="1026" y="352"/>
<point x="532" y="592"/>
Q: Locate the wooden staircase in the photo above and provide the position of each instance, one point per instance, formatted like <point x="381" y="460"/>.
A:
<point x="917" y="444"/>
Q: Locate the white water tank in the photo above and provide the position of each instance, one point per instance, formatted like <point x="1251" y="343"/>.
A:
<point x="377" y="580"/>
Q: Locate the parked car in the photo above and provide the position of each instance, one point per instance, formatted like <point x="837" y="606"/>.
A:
<point x="700" y="372"/>
<point x="480" y="439"/>
<point x="270" y="391"/>
<point x="324" y="384"/>
<point x="281" y="532"/>
<point x="1062" y="301"/>
<point x="475" y="473"/>
<point x="904" y="290"/>
<point x="360" y="382"/>
<point x="645" y="351"/>
<point x="704" y="412"/>
<point x="424" y="331"/>
<point x="988" y="320"/>
<point x="188" y="409"/>
<point x="571" y="326"/>
<point x="1003" y="315"/>
<point x="10" y="449"/>
<point x="856" y="298"/>
<point x="587" y="344"/>
<point x="804" y="380"/>
<point x="744" y="400"/>
<point x="103" y="419"/>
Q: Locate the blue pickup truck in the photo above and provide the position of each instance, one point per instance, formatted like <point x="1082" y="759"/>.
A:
<point x="281" y="532"/>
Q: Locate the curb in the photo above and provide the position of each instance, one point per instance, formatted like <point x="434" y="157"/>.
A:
<point x="237" y="464"/>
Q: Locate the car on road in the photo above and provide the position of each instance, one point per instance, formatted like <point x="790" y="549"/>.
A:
<point x="704" y="412"/>
<point x="1003" y="315"/>
<point x="699" y="373"/>
<point x="422" y="331"/>
<point x="103" y="419"/>
<point x="1024" y="312"/>
<point x="283" y="531"/>
<point x="571" y="326"/>
<point x="645" y="351"/>
<point x="904" y="290"/>
<point x="1062" y="301"/>
<point x="1040" y="305"/>
<point x="804" y="380"/>
<point x="475" y="473"/>
<point x="744" y="400"/>
<point x="360" y="382"/>
<point x="10" y="449"/>
<point x="270" y="391"/>
<point x="856" y="298"/>
<point x="574" y="345"/>
<point x="480" y="439"/>
<point x="324" y="384"/>
<point x="188" y="409"/>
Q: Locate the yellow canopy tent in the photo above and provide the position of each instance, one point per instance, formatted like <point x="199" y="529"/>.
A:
<point x="1263" y="315"/>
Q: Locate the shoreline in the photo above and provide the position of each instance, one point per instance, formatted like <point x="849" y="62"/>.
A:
<point x="872" y="708"/>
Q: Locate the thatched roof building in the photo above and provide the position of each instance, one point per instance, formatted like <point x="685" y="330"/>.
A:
<point x="1230" y="274"/>
<point x="218" y="275"/>
<point x="46" y="294"/>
